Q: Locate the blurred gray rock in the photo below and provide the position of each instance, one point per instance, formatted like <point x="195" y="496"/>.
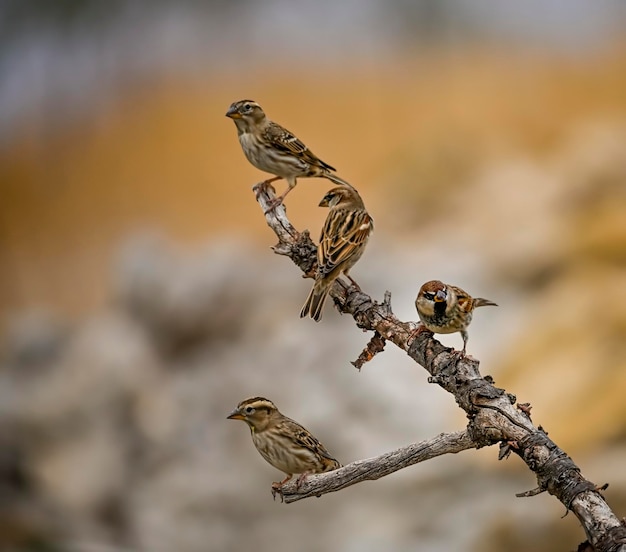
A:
<point x="32" y="340"/>
<point x="185" y="299"/>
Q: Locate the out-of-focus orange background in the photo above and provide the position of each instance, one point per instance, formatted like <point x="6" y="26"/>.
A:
<point x="139" y="299"/>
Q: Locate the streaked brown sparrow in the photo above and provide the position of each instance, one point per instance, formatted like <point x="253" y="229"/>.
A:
<point x="344" y="235"/>
<point x="273" y="149"/>
<point x="447" y="309"/>
<point x="284" y="443"/>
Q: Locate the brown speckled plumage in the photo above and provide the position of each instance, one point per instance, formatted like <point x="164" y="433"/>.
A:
<point x="275" y="150"/>
<point x="445" y="309"/>
<point x="342" y="241"/>
<point x="283" y="442"/>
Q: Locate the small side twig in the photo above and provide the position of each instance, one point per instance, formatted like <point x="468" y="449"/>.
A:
<point x="374" y="346"/>
<point x="532" y="492"/>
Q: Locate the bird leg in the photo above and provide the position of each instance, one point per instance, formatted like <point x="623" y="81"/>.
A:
<point x="277" y="486"/>
<point x="352" y="281"/>
<point x="465" y="337"/>
<point x="301" y="479"/>
<point x="260" y="186"/>
<point x="417" y="331"/>
<point x="279" y="200"/>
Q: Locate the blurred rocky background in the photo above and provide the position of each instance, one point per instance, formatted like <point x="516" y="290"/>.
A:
<point x="140" y="300"/>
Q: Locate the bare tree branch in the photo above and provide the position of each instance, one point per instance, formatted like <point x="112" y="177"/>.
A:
<point x="492" y="412"/>
<point x="379" y="466"/>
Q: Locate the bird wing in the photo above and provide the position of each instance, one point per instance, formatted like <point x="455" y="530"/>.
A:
<point x="305" y="440"/>
<point x="288" y="142"/>
<point x="465" y="301"/>
<point x="345" y="233"/>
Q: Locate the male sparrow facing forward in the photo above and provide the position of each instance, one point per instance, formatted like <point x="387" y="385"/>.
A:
<point x="284" y="443"/>
<point x="447" y="309"/>
<point x="273" y="149"/>
<point x="345" y="233"/>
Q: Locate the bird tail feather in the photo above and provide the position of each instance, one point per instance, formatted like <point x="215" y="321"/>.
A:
<point x="337" y="180"/>
<point x="315" y="302"/>
<point x="480" y="302"/>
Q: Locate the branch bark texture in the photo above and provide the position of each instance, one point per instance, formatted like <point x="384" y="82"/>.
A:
<point x="379" y="466"/>
<point x="494" y="417"/>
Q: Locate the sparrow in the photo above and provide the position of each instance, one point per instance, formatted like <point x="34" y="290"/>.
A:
<point x="273" y="149"/>
<point x="283" y="442"/>
<point x="344" y="235"/>
<point x="447" y="309"/>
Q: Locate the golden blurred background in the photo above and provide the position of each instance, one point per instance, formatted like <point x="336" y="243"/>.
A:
<point x="140" y="301"/>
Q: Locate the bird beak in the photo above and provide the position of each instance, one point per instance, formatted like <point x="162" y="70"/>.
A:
<point x="235" y="415"/>
<point x="323" y="203"/>
<point x="440" y="297"/>
<point x="233" y="113"/>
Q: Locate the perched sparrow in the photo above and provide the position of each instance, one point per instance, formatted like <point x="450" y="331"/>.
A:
<point x="273" y="149"/>
<point x="342" y="242"/>
<point x="447" y="309"/>
<point x="284" y="443"/>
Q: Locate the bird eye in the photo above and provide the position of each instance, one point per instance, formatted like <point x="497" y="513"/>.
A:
<point x="428" y="295"/>
<point x="249" y="410"/>
<point x="247" y="107"/>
